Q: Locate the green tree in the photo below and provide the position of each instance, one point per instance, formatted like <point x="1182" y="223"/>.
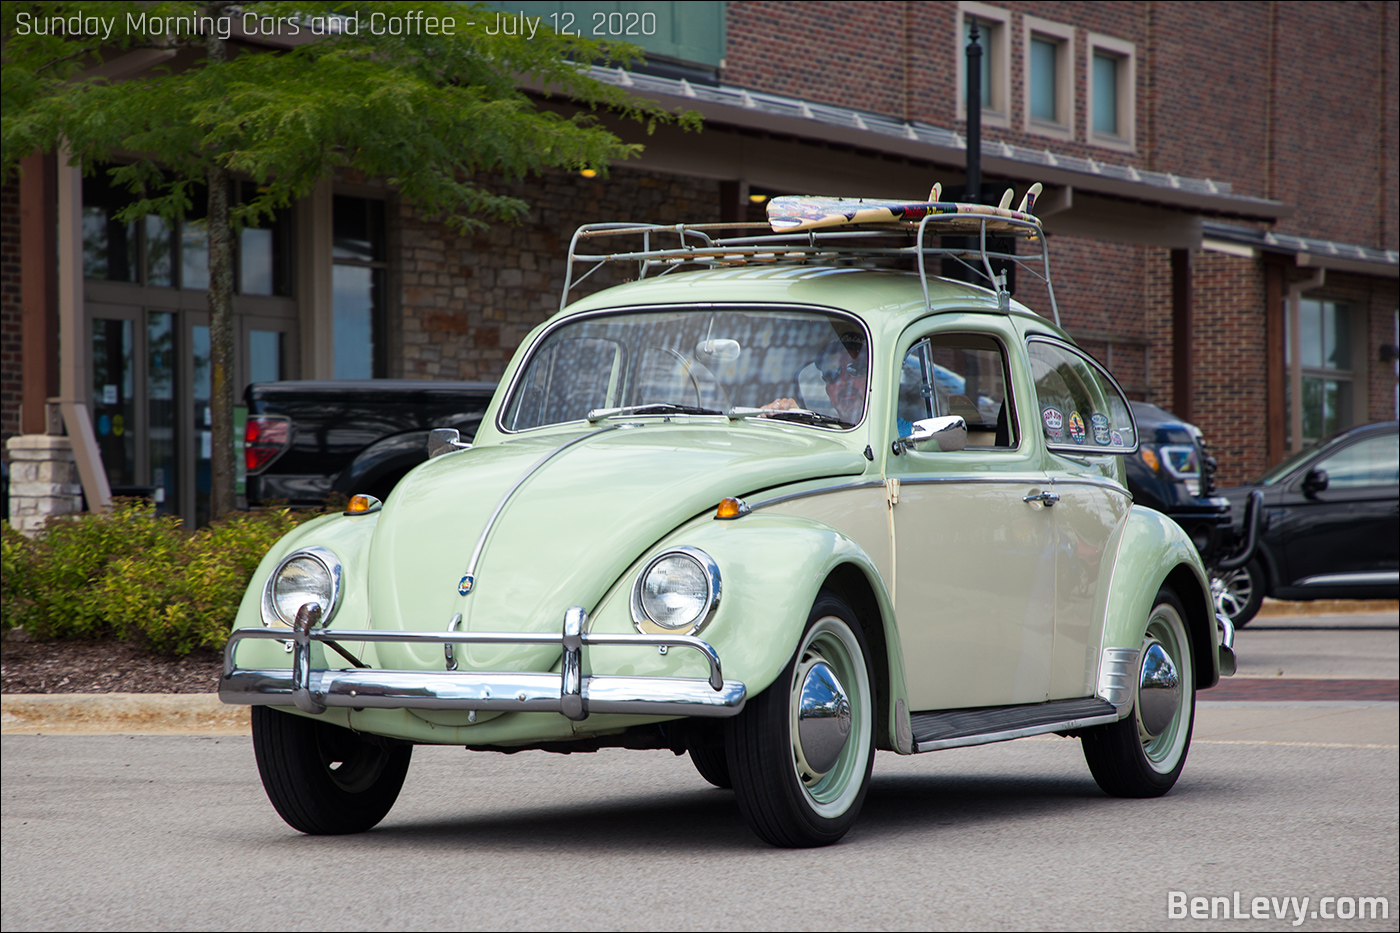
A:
<point x="430" y="110"/>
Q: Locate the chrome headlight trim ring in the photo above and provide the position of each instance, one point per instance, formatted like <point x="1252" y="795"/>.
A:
<point x="648" y="626"/>
<point x="328" y="561"/>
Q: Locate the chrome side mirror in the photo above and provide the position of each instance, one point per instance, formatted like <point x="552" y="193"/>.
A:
<point x="944" y="435"/>
<point x="444" y="441"/>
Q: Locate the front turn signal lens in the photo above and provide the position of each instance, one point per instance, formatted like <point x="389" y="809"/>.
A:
<point x="361" y="504"/>
<point x="731" y="508"/>
<point x="1149" y="457"/>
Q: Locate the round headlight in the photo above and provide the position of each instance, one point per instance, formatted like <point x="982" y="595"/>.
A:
<point x="312" y="575"/>
<point x="676" y="592"/>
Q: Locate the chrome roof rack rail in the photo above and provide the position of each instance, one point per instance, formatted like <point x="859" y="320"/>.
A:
<point x="722" y="245"/>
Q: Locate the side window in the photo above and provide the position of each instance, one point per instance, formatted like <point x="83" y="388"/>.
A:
<point x="1081" y="409"/>
<point x="958" y="374"/>
<point x="1372" y="462"/>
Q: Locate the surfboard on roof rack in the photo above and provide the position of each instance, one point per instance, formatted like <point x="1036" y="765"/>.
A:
<point x="830" y="231"/>
<point x="791" y="213"/>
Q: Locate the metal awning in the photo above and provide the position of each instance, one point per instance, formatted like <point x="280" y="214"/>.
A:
<point x="1309" y="252"/>
<point x="775" y="114"/>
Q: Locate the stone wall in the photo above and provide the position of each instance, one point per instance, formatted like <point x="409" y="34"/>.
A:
<point x="469" y="299"/>
<point x="43" y="480"/>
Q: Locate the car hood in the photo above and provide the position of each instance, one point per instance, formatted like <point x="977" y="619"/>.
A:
<point x="571" y="526"/>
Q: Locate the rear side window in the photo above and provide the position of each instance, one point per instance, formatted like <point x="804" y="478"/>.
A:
<point x="1082" y="410"/>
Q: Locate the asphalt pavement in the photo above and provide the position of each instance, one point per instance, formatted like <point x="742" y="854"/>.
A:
<point x="155" y="819"/>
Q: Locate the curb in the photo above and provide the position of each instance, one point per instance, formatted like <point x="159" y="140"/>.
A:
<point x="125" y="713"/>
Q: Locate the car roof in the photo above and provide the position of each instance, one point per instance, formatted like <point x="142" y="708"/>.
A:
<point x="885" y="299"/>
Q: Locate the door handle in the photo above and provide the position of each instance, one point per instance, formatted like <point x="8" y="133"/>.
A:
<point x="1046" y="498"/>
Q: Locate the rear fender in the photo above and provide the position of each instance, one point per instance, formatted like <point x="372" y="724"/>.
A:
<point x="1153" y="552"/>
<point x="771" y="570"/>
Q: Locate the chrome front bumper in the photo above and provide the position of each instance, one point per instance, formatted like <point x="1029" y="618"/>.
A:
<point x="569" y="692"/>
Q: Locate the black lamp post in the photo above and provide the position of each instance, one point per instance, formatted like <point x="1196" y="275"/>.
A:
<point x="974" y="116"/>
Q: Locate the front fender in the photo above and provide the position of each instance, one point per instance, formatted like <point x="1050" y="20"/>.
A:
<point x="1153" y="552"/>
<point x="771" y="569"/>
<point x="346" y="536"/>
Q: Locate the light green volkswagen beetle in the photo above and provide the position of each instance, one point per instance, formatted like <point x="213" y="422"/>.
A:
<point x="778" y="512"/>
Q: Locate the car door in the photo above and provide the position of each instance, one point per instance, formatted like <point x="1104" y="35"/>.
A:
<point x="974" y="561"/>
<point x="1087" y="426"/>
<point x="1351" y="527"/>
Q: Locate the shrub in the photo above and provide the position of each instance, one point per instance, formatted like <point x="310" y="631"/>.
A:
<point x="137" y="575"/>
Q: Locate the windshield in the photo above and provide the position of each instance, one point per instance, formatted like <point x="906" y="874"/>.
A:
<point x="806" y="366"/>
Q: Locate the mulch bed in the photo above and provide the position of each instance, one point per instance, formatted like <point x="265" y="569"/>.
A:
<point x="102" y="667"/>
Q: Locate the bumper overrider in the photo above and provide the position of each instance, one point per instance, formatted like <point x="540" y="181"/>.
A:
<point x="570" y="692"/>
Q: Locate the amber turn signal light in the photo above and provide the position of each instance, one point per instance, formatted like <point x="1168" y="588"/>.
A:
<point x="731" y="508"/>
<point x="360" y="504"/>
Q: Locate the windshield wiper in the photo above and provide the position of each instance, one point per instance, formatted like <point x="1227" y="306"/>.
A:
<point x="802" y="415"/>
<point x="651" y="408"/>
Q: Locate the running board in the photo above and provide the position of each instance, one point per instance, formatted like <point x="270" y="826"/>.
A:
<point x="959" y="727"/>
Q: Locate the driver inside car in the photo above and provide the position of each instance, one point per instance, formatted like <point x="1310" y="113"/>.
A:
<point x="844" y="364"/>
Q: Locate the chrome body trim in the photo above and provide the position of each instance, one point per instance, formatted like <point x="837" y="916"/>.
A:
<point x="1006" y="735"/>
<point x="1226" y="651"/>
<point x="569" y="692"/>
<point x="327" y="559"/>
<point x="448" y="652"/>
<point x="1100" y="483"/>
<point x="712" y="581"/>
<point x="1372" y="578"/>
<point x="1014" y="479"/>
<point x="470" y="572"/>
<point x="819" y="491"/>
<point x="1118" y="673"/>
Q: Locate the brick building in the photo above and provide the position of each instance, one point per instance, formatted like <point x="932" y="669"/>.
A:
<point x="1221" y="195"/>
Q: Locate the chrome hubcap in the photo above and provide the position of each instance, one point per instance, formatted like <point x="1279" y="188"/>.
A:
<point x="1159" y="690"/>
<point x="823" y="719"/>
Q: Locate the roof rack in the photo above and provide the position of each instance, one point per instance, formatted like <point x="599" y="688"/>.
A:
<point x="722" y="245"/>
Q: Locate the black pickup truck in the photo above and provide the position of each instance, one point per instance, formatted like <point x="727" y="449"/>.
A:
<point x="308" y="440"/>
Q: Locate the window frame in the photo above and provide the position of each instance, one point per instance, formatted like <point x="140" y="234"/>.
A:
<point x="1062" y="36"/>
<point x="1126" y="55"/>
<point x="996" y="47"/>
<point x="931" y="339"/>
<point x="1081" y="450"/>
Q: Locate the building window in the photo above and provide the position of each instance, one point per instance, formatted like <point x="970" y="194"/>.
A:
<point x="358" y="285"/>
<point x="1048" y="77"/>
<point x="993" y="27"/>
<point x="162" y="253"/>
<point x="1111" y="86"/>
<point x="1324" y="348"/>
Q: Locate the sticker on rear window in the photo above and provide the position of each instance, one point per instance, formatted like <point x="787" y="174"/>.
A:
<point x="1076" y="427"/>
<point x="1100" y="423"/>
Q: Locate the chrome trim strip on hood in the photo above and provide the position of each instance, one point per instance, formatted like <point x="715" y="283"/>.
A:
<point x="500" y="506"/>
